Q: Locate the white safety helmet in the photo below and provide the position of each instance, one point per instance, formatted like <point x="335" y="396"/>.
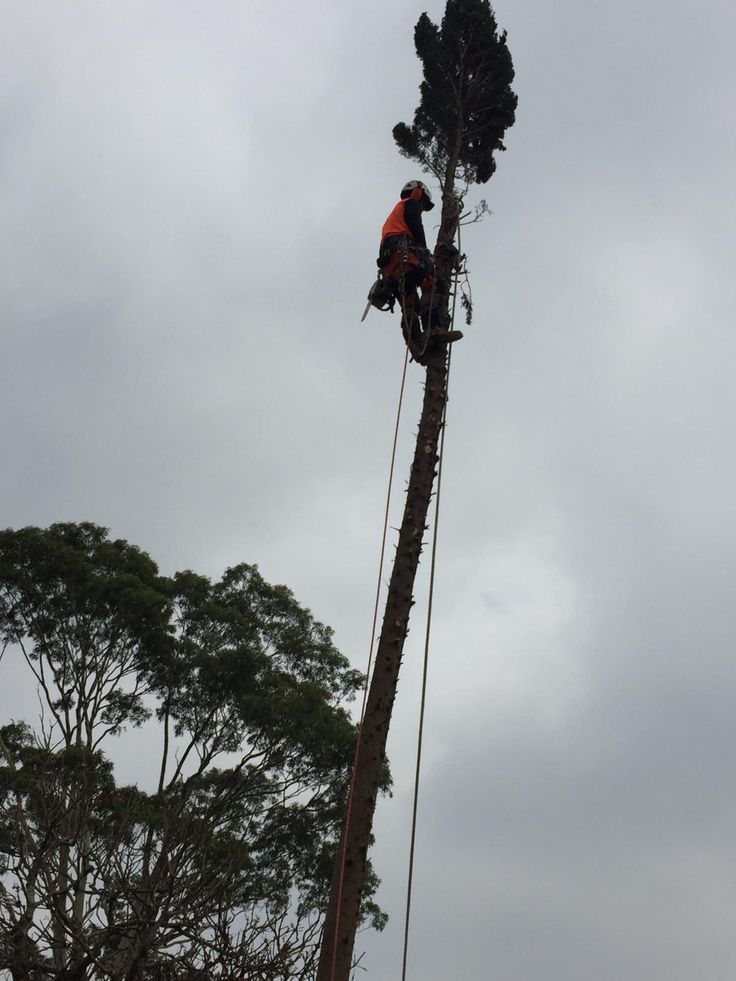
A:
<point x="409" y="187"/>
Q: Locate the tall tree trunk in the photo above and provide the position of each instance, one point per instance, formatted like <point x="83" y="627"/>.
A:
<point x="337" y="952"/>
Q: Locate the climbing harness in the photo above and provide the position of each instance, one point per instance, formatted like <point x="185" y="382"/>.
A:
<point x="389" y="288"/>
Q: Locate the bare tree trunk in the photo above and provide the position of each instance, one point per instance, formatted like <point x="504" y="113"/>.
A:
<point x="337" y="951"/>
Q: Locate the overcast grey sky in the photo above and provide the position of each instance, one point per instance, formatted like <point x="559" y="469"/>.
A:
<point x="190" y="200"/>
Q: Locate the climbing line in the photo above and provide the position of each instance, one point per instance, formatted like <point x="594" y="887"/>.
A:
<point x="406" y="325"/>
<point x="384" y="535"/>
<point x="425" y="666"/>
<point x="351" y="792"/>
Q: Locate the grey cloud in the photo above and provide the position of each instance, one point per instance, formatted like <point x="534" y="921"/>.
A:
<point x="191" y="199"/>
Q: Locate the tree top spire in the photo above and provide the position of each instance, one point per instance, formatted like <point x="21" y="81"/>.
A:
<point x="466" y="102"/>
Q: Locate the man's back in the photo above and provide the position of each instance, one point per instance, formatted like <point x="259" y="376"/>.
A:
<point x="406" y="219"/>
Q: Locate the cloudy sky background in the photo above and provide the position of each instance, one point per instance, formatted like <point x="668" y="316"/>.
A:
<point x="190" y="199"/>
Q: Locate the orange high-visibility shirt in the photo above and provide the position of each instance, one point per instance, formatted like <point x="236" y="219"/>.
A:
<point x="396" y="224"/>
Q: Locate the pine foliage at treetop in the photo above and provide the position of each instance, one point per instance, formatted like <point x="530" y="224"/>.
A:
<point x="467" y="102"/>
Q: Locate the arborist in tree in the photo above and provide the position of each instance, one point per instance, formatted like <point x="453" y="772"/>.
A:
<point x="406" y="265"/>
<point x="403" y="254"/>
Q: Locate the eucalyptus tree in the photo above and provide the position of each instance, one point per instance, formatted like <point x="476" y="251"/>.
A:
<point x="215" y="860"/>
<point x="466" y="105"/>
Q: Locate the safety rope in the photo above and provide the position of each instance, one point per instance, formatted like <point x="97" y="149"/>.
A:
<point x="351" y="792"/>
<point x="425" y="666"/>
<point x="406" y="324"/>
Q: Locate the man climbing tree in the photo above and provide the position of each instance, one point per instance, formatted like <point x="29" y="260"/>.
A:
<point x="406" y="264"/>
<point x="466" y="106"/>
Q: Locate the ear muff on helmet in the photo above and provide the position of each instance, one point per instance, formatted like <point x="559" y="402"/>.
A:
<point x="426" y="193"/>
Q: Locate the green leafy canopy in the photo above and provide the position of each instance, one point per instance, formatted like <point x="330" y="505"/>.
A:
<point x="466" y="98"/>
<point x="218" y="861"/>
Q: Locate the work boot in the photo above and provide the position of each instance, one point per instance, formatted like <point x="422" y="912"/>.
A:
<point x="445" y="336"/>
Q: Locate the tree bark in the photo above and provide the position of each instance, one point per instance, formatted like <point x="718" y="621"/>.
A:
<point x="341" y="923"/>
